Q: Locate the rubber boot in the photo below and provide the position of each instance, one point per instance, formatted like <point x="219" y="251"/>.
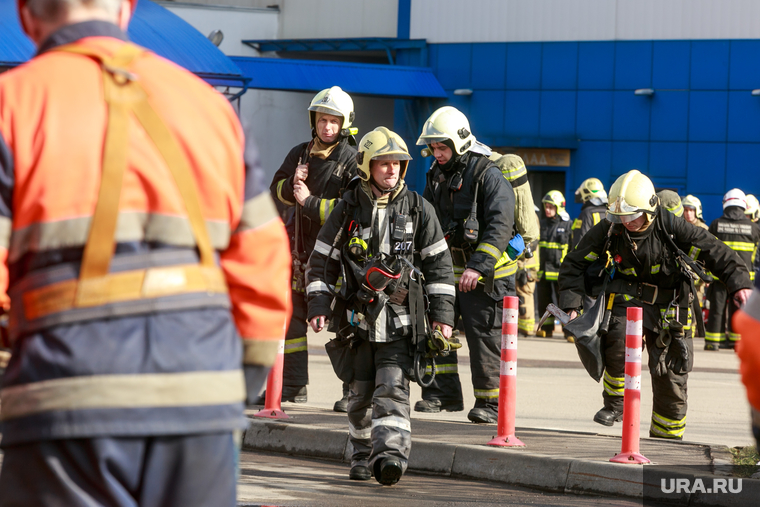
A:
<point x="342" y="404"/>
<point x="434" y="406"/>
<point x="359" y="473"/>
<point x="608" y="417"/>
<point x="388" y="471"/>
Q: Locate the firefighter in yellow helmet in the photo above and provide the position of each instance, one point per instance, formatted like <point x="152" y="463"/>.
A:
<point x="475" y="205"/>
<point x="647" y="248"/>
<point x="692" y="211"/>
<point x="594" y="198"/>
<point x="742" y="236"/>
<point x="309" y="184"/>
<point x="371" y="239"/>
<point x="555" y="240"/>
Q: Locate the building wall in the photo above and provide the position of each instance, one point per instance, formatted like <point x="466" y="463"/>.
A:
<point x="699" y="133"/>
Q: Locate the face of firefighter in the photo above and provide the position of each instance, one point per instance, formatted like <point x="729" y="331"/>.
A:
<point x="328" y="127"/>
<point x="635" y="225"/>
<point x="385" y="173"/>
<point x="690" y="214"/>
<point x="550" y="210"/>
<point x="441" y="152"/>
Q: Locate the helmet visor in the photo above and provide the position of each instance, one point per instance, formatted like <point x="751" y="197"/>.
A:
<point x="392" y="150"/>
<point x="326" y="109"/>
<point x="431" y="135"/>
<point x="623" y="219"/>
<point x="393" y="156"/>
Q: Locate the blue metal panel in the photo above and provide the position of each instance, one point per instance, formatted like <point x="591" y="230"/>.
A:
<point x="705" y="171"/>
<point x="629" y="155"/>
<point x="489" y="63"/>
<point x="559" y="66"/>
<point x="670" y="115"/>
<point x="744" y="71"/>
<point x="708" y="114"/>
<point x="524" y="66"/>
<point x="631" y="116"/>
<point x="633" y="65"/>
<point x="709" y="65"/>
<point x="361" y="78"/>
<point x="521" y="118"/>
<point x="15" y="47"/>
<point x="741" y="171"/>
<point x="670" y="65"/>
<point x="596" y="64"/>
<point x="557" y="114"/>
<point x="487" y="113"/>
<point x="667" y="163"/>
<point x="454" y="65"/>
<point x="404" y="19"/>
<point x="743" y="117"/>
<point x="593" y="159"/>
<point x="594" y="115"/>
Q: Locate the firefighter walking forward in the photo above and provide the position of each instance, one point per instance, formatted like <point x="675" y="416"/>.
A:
<point x="645" y="270"/>
<point x="138" y="249"/>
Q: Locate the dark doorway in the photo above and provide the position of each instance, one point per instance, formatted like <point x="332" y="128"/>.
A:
<point x="541" y="182"/>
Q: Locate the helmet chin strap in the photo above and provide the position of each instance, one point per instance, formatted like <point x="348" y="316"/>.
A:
<point x="382" y="190"/>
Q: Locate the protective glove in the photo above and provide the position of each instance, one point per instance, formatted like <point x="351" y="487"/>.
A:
<point x="515" y="247"/>
<point x="661" y="347"/>
<point x="438" y="345"/>
<point x="679" y="359"/>
<point x="255" y="378"/>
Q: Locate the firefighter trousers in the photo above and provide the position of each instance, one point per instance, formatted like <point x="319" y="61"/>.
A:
<point x="378" y="403"/>
<point x="548" y="292"/>
<point x="481" y="316"/>
<point x="526" y="319"/>
<point x="184" y="470"/>
<point x="295" y="369"/>
<point x="669" y="400"/>
<point x="718" y="328"/>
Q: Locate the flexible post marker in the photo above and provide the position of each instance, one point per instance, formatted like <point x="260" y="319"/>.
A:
<point x="272" y="404"/>
<point x="629" y="454"/>
<point x="508" y="376"/>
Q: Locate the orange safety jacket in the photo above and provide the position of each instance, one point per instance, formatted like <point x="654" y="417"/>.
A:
<point x="160" y="291"/>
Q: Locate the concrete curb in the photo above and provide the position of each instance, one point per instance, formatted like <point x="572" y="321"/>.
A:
<point x="510" y="466"/>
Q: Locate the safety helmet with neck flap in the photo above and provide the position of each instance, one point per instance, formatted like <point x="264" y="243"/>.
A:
<point x="631" y="196"/>
<point x="381" y="144"/>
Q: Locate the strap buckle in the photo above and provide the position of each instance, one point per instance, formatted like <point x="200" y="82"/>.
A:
<point x="644" y="290"/>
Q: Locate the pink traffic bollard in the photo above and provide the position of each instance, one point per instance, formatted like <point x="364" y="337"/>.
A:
<point x="508" y="376"/>
<point x="272" y="404"/>
<point x="629" y="453"/>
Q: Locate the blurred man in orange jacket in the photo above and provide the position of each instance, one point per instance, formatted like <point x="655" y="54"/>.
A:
<point x="138" y="247"/>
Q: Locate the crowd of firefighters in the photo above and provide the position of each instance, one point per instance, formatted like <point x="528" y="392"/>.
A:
<point x="139" y="245"/>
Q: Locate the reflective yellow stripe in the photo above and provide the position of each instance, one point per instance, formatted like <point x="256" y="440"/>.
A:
<point x="325" y="208"/>
<point x="752" y="275"/>
<point x="296" y="345"/>
<point x="592" y="256"/>
<point x="505" y="271"/>
<point x="629" y="271"/>
<point x="279" y="194"/>
<point x="187" y="389"/>
<point x="526" y="324"/>
<point x="614" y="386"/>
<point x="577" y="223"/>
<point x="668" y="428"/>
<point x="740" y="246"/>
<point x="713" y="337"/>
<point x="655" y="269"/>
<point x="552" y="276"/>
<point x="734" y="337"/>
<point x="490" y="250"/>
<point x="694" y="252"/>
<point x="486" y="393"/>
<point x="443" y="369"/>
<point x="553" y="246"/>
<point x="514" y="173"/>
<point x="564" y="252"/>
<point x="597" y="217"/>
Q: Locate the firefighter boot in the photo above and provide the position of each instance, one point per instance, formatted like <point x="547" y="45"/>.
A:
<point x="433" y="406"/>
<point x="483" y="416"/>
<point x="342" y="404"/>
<point x="608" y="417"/>
<point x="359" y="473"/>
<point x="388" y="471"/>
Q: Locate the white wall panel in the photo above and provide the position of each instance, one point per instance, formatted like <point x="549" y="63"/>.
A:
<point x="442" y="21"/>
<point x="306" y="19"/>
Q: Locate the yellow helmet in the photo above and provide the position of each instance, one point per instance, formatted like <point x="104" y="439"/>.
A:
<point x="332" y="101"/>
<point x="448" y="124"/>
<point x="753" y="207"/>
<point x="691" y="201"/>
<point x="671" y="202"/>
<point x="590" y="189"/>
<point x="556" y="198"/>
<point x="631" y="196"/>
<point x="381" y="144"/>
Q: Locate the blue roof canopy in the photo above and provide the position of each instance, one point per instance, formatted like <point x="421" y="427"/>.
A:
<point x="153" y="27"/>
<point x="360" y="78"/>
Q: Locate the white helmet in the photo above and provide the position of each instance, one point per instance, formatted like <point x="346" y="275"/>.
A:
<point x="332" y="101"/>
<point x="735" y="197"/>
<point x="448" y="124"/>
<point x="753" y="207"/>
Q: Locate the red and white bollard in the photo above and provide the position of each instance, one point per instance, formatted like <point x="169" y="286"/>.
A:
<point x="629" y="453"/>
<point x="508" y="376"/>
<point x="272" y="404"/>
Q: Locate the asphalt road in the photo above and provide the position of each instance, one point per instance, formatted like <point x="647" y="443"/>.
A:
<point x="280" y="480"/>
<point x="555" y="392"/>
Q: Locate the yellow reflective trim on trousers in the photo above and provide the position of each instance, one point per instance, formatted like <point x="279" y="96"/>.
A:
<point x="734" y="337"/>
<point x="490" y="250"/>
<point x="486" y="393"/>
<point x="655" y="269"/>
<point x="526" y="324"/>
<point x="443" y="369"/>
<point x="664" y="433"/>
<point x="552" y="276"/>
<point x="325" y="208"/>
<point x="713" y="337"/>
<point x="577" y="224"/>
<point x="668" y="423"/>
<point x="187" y="389"/>
<point x="296" y="345"/>
<point x="592" y="256"/>
<point x="614" y="381"/>
<point x="279" y="194"/>
<point x="740" y="246"/>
